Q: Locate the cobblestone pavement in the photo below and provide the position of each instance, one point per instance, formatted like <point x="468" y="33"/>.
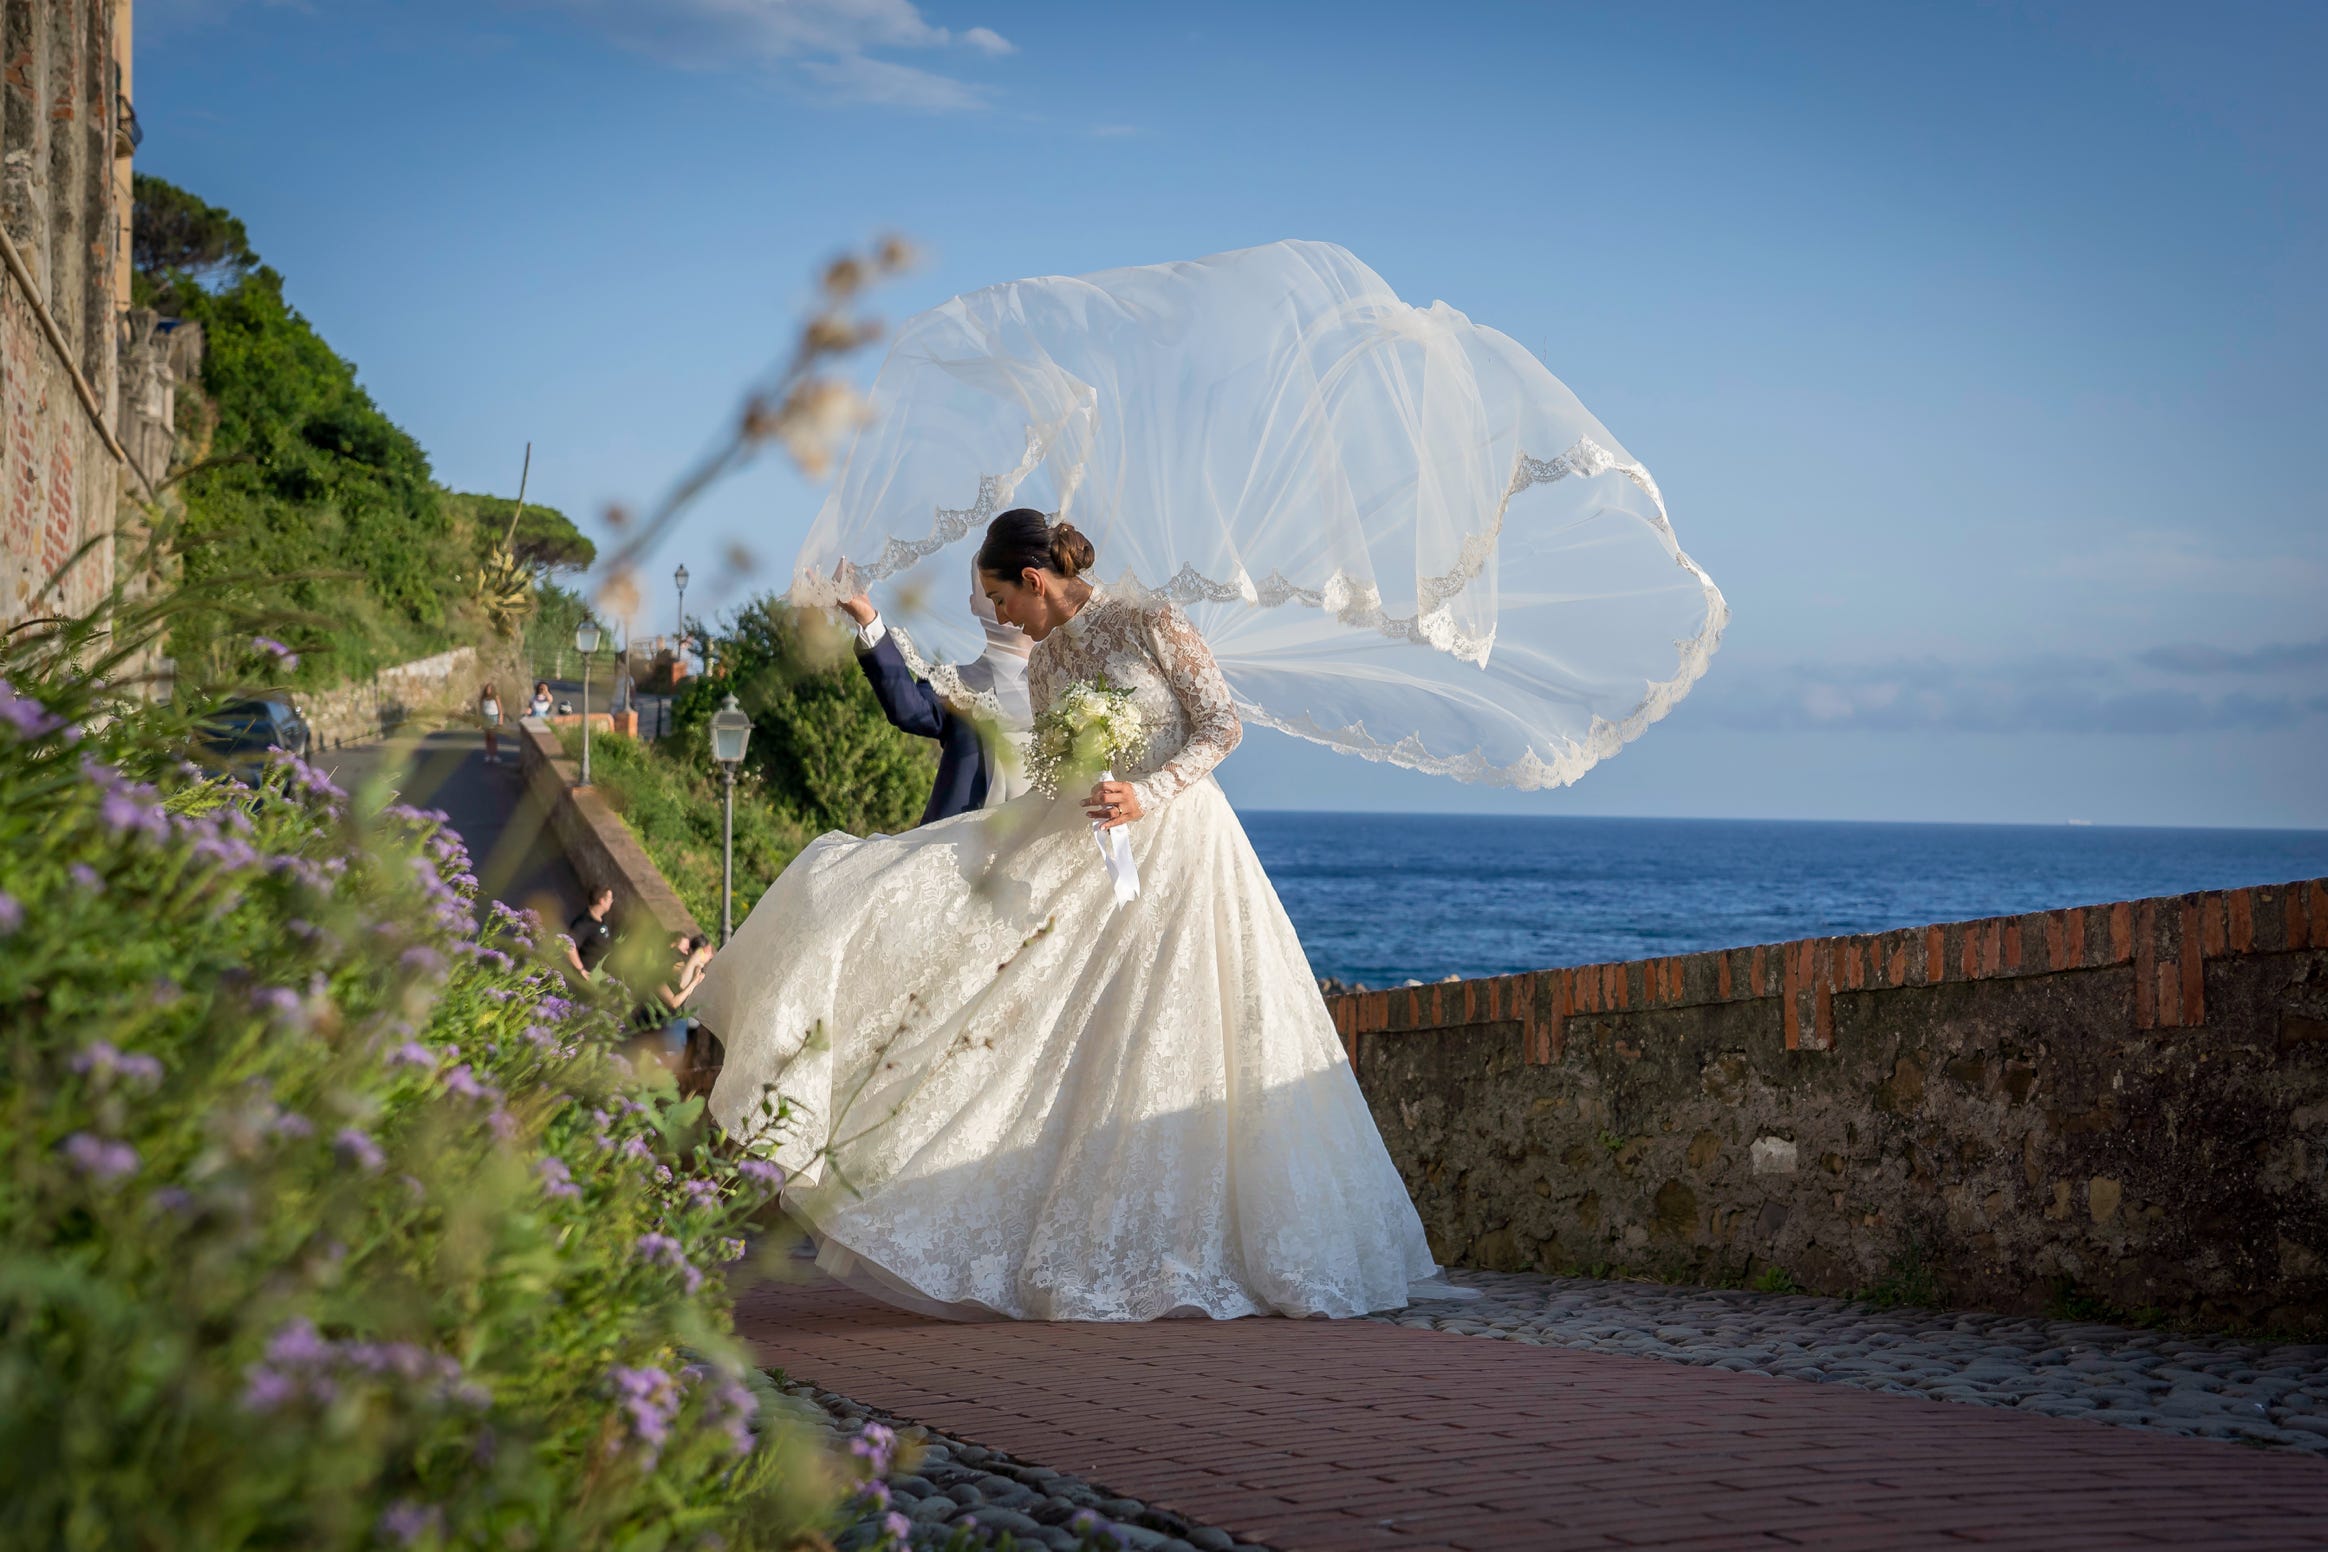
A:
<point x="2201" y="1387"/>
<point x="957" y="1487"/>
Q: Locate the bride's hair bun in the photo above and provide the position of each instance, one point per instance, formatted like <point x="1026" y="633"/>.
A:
<point x="1071" y="553"/>
<point x="1023" y="539"/>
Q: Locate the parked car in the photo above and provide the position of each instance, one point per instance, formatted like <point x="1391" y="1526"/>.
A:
<point x="239" y="734"/>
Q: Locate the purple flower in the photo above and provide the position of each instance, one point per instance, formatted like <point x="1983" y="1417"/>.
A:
<point x="406" y="1522"/>
<point x="97" y="1056"/>
<point x="557" y="1180"/>
<point x="100" y="1158"/>
<point x="874" y="1495"/>
<point x="662" y="1249"/>
<point x="412" y="1054"/>
<point x="290" y="1123"/>
<point x="281" y="654"/>
<point x="86" y="878"/>
<point x="636" y="1148"/>
<point x="11" y="914"/>
<point x="357" y="1147"/>
<point x="460" y="1080"/>
<point x="264" y="1389"/>
<point x="876" y="1445"/>
<point x="173" y="1199"/>
<point x="731" y="1249"/>
<point x="420" y="957"/>
<point x="896" y="1527"/>
<point x="503" y="1123"/>
<point x="699" y="1193"/>
<point x="651" y="1397"/>
<point x="761" y="1172"/>
<point x="296" y="1345"/>
<point x="282" y="1001"/>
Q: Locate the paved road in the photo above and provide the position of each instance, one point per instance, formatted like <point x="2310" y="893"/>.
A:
<point x="1331" y="1436"/>
<point x="517" y="860"/>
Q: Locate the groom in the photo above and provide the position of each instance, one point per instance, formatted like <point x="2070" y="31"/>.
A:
<point x="970" y="776"/>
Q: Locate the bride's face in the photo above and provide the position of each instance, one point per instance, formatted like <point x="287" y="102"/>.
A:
<point x="1034" y="603"/>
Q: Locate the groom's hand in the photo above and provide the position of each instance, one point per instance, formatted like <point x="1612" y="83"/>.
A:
<point x="1113" y="803"/>
<point x="859" y="608"/>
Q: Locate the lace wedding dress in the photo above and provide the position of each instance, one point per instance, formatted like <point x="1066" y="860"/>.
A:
<point x="1009" y="1096"/>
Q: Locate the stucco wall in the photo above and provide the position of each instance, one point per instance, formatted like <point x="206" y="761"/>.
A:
<point x="2125" y="1104"/>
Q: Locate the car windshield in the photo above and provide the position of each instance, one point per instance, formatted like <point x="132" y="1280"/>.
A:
<point x="243" y="725"/>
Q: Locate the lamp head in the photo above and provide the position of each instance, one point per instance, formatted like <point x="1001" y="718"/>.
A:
<point x="731" y="729"/>
<point x="586" y="636"/>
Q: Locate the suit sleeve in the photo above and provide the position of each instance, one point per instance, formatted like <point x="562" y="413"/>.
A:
<point x="909" y="703"/>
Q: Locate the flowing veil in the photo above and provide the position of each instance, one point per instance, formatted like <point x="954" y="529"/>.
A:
<point x="1401" y="535"/>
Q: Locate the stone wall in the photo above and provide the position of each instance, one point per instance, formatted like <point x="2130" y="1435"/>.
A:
<point x="598" y="845"/>
<point x="2120" y="1106"/>
<point x="430" y="687"/>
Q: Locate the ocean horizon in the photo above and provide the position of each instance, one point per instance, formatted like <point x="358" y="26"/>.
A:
<point x="1384" y="899"/>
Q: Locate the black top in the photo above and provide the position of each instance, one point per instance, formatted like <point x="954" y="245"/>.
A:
<point x="592" y="938"/>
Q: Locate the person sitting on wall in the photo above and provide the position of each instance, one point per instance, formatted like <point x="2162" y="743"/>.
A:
<point x="663" y="1018"/>
<point x="967" y="709"/>
<point x="590" y="936"/>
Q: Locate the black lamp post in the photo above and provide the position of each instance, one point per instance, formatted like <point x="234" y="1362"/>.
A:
<point x="680" y="577"/>
<point x="586" y="642"/>
<point x="730" y="731"/>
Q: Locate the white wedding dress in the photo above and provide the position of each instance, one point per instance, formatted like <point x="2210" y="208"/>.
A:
<point x="1010" y="1096"/>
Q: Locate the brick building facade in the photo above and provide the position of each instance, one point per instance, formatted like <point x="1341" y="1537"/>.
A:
<point x="67" y="480"/>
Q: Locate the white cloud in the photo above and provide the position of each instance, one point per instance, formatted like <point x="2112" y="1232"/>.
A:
<point x="2147" y="693"/>
<point x="886" y="83"/>
<point x="837" y="44"/>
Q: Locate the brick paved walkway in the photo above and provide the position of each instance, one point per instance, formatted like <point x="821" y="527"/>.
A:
<point x="1316" y="1436"/>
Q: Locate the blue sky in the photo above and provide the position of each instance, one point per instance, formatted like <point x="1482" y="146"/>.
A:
<point x="1981" y="351"/>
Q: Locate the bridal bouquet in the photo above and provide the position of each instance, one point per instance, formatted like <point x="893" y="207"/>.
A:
<point x="1078" y="742"/>
<point x="1082" y="736"/>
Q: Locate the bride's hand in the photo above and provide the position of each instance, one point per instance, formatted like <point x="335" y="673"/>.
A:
<point x="1113" y="803"/>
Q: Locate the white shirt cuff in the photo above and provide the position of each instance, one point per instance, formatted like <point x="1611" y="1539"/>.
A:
<point x="870" y="633"/>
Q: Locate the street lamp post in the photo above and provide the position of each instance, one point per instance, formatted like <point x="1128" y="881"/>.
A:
<point x="730" y="731"/>
<point x="680" y="577"/>
<point x="586" y="642"/>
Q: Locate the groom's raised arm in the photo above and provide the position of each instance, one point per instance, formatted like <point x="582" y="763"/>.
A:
<point x="909" y="703"/>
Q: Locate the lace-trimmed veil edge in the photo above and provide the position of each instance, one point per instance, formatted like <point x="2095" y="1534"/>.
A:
<point x="1358" y="605"/>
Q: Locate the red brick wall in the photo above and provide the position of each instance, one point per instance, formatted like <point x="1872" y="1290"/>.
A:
<point x="2168" y="940"/>
<point x="58" y="482"/>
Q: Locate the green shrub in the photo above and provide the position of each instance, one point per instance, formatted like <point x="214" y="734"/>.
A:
<point x="331" y="1222"/>
<point x="822" y="749"/>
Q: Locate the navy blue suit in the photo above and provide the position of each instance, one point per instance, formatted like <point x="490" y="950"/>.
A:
<point x="913" y="707"/>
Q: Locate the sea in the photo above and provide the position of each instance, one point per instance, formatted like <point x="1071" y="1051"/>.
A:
<point x="1384" y="899"/>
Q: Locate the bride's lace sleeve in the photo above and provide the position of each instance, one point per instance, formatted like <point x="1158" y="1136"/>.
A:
<point x="1213" y="728"/>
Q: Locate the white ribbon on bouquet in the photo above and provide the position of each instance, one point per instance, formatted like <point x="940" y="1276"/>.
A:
<point x="1115" y="849"/>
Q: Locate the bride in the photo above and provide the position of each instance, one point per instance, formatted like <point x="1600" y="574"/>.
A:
<point x="1011" y="1083"/>
<point x="1011" y="1097"/>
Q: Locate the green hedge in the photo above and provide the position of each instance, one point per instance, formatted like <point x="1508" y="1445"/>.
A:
<point x="330" y="1220"/>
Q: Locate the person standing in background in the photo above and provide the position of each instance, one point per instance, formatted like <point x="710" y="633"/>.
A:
<point x="541" y="698"/>
<point x="489" y="714"/>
